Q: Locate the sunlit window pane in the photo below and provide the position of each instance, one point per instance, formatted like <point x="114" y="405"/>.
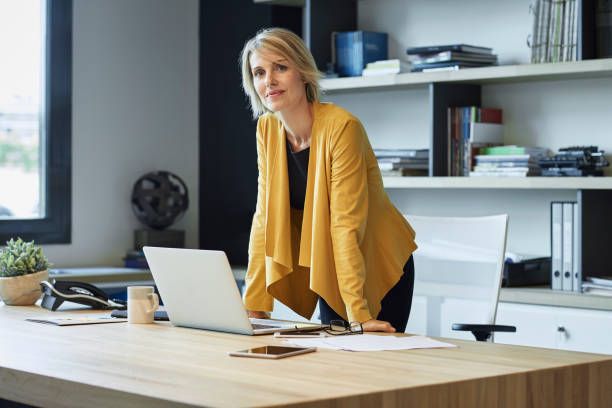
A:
<point x="21" y="118"/>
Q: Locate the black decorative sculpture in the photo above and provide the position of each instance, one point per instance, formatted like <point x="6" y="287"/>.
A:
<point x="159" y="199"/>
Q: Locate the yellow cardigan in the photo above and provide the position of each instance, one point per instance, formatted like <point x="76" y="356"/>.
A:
<point x="348" y="245"/>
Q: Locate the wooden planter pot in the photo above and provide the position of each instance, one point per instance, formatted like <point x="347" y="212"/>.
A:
<point x="22" y="290"/>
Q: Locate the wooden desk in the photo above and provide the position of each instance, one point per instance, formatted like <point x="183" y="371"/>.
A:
<point x="122" y="365"/>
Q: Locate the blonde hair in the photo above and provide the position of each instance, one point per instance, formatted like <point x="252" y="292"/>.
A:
<point x="288" y="45"/>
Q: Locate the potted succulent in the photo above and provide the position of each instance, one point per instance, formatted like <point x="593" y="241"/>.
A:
<point x="22" y="267"/>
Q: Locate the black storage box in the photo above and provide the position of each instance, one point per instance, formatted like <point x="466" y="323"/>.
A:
<point x="165" y="238"/>
<point x="530" y="272"/>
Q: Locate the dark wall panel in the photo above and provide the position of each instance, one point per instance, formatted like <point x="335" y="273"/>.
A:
<point x="228" y="158"/>
<point x="323" y="18"/>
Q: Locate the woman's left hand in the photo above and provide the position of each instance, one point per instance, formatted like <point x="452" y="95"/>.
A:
<point x="374" y="325"/>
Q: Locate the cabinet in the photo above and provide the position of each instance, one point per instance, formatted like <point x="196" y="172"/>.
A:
<point x="556" y="327"/>
<point x="537" y="325"/>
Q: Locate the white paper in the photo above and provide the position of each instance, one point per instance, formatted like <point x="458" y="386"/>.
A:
<point x="64" y="320"/>
<point x="370" y="342"/>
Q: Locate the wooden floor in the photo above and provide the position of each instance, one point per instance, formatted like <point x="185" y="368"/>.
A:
<point x="122" y="365"/>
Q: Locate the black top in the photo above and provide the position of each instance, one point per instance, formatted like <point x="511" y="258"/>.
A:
<point x="297" y="164"/>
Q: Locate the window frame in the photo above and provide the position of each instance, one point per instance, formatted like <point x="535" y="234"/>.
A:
<point x="56" y="226"/>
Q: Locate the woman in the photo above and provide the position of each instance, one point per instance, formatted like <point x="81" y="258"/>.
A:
<point x="324" y="228"/>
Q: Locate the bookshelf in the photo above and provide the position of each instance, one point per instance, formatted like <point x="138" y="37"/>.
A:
<point x="527" y="199"/>
<point x="543" y="183"/>
<point x="464" y="87"/>
<point x="601" y="68"/>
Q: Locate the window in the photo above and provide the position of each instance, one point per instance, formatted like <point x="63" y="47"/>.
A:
<point x="35" y="120"/>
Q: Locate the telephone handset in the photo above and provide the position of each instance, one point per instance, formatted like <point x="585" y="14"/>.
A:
<point x="54" y="294"/>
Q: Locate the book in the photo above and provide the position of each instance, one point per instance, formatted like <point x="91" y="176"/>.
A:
<point x="496" y="169"/>
<point x="440" y="69"/>
<point x="451" y="47"/>
<point x="452" y="64"/>
<point x="542" y="34"/>
<point x="467" y="134"/>
<point x="397" y="166"/>
<point x="354" y="49"/>
<point x="403" y="160"/>
<point x="556" y="30"/>
<point x="407" y="153"/>
<point x="136" y="263"/>
<point x="404" y="173"/>
<point x="368" y="72"/>
<point x="392" y="63"/>
<point x="572" y="31"/>
<point x="550" y="51"/>
<point x="386" y="67"/>
<point x="513" y="150"/>
<point x="546" y="12"/>
<point x="504" y="163"/>
<point x="448" y="56"/>
<point x="481" y="132"/>
<point x="601" y="280"/>
<point x="565" y="44"/>
<point x="490" y="158"/>
<point x="500" y="174"/>
<point x="535" y="34"/>
<point x="135" y="259"/>
<point x="489" y="115"/>
<point x="598" y="285"/>
<point x="596" y="291"/>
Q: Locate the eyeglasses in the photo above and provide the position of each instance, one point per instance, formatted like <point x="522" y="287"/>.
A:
<point x="340" y="327"/>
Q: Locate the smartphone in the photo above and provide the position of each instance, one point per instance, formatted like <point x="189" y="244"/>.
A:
<point x="300" y="334"/>
<point x="272" y="351"/>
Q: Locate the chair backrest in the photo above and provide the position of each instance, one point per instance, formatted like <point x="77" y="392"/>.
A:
<point x="458" y="271"/>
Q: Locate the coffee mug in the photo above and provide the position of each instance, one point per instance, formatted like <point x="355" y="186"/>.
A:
<point x="142" y="303"/>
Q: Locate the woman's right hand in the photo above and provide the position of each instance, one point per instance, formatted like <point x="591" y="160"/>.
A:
<point x="257" y="315"/>
<point x="374" y="325"/>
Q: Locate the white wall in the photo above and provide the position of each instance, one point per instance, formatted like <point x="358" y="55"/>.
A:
<point x="135" y="110"/>
<point x="501" y="25"/>
<point x="551" y="114"/>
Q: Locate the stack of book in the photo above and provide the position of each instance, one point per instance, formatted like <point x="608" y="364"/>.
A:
<point x="402" y="162"/>
<point x="135" y="259"/>
<point x="469" y="129"/>
<point x="555" y="34"/>
<point x="508" y="161"/>
<point x="394" y="66"/>
<point x="598" y="285"/>
<point x="450" y="57"/>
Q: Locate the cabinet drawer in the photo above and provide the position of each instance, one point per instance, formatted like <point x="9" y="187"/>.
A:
<point x="535" y="326"/>
<point x="556" y="327"/>
<point x="585" y="330"/>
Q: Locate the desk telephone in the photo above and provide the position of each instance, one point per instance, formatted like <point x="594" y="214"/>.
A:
<point x="54" y="294"/>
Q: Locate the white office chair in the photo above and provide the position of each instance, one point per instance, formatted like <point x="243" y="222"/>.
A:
<point x="458" y="271"/>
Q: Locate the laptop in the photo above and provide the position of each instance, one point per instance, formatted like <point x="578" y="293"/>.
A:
<point x="199" y="291"/>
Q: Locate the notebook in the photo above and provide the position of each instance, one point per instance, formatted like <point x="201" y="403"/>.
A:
<point x="199" y="291"/>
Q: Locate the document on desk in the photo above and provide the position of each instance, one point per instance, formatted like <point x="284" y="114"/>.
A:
<point x="370" y="342"/>
<point x="76" y="320"/>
